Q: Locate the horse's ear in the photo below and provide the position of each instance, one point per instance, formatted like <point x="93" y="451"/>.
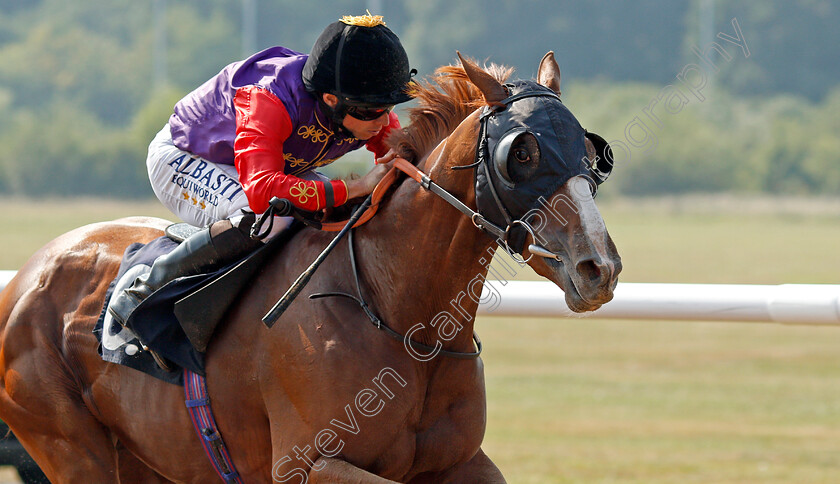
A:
<point x="549" y="72"/>
<point x="492" y="89"/>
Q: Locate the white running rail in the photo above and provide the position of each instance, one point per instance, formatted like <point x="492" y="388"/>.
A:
<point x="784" y="303"/>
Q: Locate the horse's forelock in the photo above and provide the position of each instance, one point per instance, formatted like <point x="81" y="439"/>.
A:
<point x="444" y="101"/>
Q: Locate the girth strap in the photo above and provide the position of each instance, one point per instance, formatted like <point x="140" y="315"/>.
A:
<point x="198" y="404"/>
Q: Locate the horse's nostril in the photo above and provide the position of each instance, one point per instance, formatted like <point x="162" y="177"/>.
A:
<point x="588" y="269"/>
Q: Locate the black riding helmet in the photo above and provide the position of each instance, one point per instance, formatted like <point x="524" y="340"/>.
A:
<point x="360" y="61"/>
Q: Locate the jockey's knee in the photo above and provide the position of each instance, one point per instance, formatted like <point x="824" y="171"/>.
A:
<point x="276" y="225"/>
<point x="232" y="238"/>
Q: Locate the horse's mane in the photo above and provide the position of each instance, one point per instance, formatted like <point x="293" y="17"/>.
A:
<point x="444" y="101"/>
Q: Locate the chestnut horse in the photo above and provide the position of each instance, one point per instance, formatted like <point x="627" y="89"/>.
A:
<point x="323" y="396"/>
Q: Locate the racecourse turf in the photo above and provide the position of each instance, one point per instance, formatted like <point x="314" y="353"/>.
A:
<point x="592" y="401"/>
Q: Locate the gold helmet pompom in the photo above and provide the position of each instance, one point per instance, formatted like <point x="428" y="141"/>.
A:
<point x="363" y="20"/>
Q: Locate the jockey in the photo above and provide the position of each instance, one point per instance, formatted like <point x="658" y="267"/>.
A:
<point x="258" y="129"/>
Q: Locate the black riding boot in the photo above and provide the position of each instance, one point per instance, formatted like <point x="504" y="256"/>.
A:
<point x="194" y="255"/>
<point x="215" y="246"/>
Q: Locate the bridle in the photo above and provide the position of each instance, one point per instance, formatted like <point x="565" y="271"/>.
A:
<point x="486" y="165"/>
<point x="484" y="160"/>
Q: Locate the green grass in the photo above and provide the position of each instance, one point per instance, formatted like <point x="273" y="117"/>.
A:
<point x="740" y="243"/>
<point x="724" y="240"/>
<point x="592" y="401"/>
<point x="644" y="402"/>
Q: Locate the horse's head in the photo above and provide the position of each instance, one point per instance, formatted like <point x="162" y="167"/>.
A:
<point x="536" y="174"/>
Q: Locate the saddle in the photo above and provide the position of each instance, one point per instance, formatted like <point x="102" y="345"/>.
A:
<point x="196" y="302"/>
<point x="199" y="302"/>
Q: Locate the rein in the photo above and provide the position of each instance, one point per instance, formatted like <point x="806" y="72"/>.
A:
<point x="369" y="208"/>
<point x="482" y="159"/>
<point x="403" y="165"/>
<point x="376" y="197"/>
<point x="423" y="179"/>
<point x="377" y="322"/>
<point x="284" y="208"/>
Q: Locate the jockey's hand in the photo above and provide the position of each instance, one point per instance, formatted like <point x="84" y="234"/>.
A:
<point x="363" y="186"/>
<point x="390" y="156"/>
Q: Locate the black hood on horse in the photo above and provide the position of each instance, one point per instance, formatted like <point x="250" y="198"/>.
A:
<point x="535" y="111"/>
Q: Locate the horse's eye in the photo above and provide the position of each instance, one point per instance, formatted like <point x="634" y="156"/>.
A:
<point x="521" y="154"/>
<point x="517" y="156"/>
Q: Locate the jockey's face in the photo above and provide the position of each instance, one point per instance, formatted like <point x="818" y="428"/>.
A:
<point x="362" y="130"/>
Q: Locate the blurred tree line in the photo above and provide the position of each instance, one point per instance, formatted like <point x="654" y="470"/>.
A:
<point x="85" y="84"/>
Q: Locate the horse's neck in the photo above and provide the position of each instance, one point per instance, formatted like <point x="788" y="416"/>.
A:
<point x="425" y="258"/>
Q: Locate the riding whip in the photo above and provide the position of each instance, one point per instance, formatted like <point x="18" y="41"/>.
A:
<point x="271" y="316"/>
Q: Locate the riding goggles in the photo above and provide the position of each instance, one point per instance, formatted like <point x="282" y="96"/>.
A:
<point x="367" y="113"/>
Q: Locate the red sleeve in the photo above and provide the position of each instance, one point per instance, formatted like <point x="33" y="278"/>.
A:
<point x="377" y="143"/>
<point x="262" y="125"/>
